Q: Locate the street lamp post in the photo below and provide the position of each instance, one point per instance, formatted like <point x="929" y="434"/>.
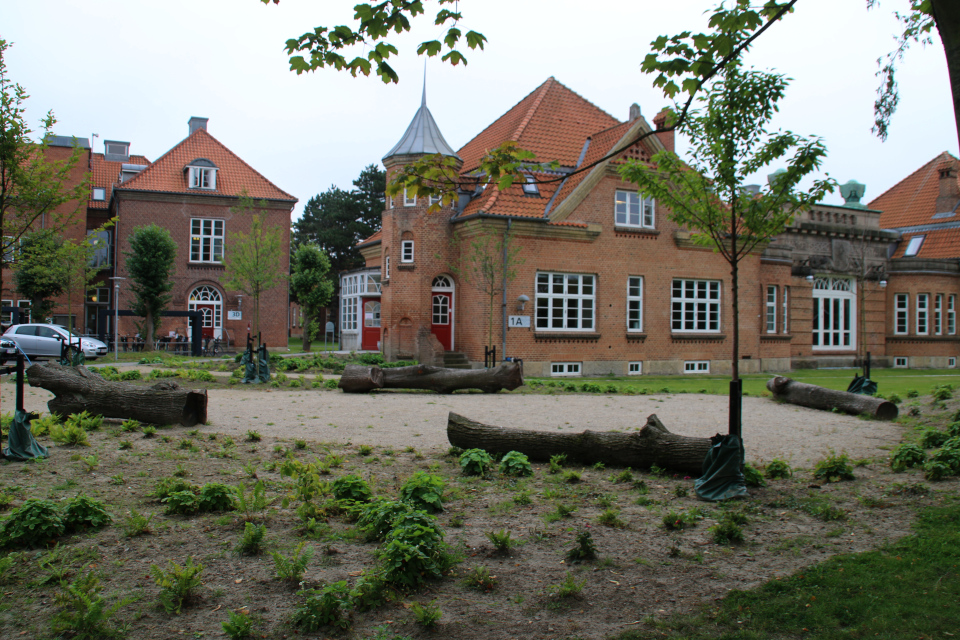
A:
<point x="116" y="317"/>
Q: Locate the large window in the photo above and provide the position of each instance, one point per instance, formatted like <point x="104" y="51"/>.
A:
<point x="923" y="311"/>
<point x="634" y="303"/>
<point x="951" y="314"/>
<point x="938" y="314"/>
<point x="771" y="308"/>
<point x="695" y="306"/>
<point x="834" y="313"/>
<point x="632" y="209"/>
<point x="786" y="296"/>
<point x="901" y="313"/>
<point x="348" y="319"/>
<point x="565" y="301"/>
<point x="100" y="255"/>
<point x="206" y="240"/>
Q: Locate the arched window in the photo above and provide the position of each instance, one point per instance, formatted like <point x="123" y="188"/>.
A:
<point x="209" y="301"/>
<point x="442" y="282"/>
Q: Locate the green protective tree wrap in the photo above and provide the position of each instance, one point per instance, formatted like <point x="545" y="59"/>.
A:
<point x="21" y="445"/>
<point x="722" y="477"/>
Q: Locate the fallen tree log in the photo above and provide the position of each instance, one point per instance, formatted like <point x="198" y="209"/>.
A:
<point x="652" y="445"/>
<point x="360" y="378"/>
<point x="79" y="389"/>
<point x="810" y="395"/>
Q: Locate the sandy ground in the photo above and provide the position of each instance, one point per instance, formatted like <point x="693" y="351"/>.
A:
<point x="796" y="434"/>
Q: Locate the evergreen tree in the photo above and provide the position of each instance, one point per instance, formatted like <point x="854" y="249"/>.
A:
<point x="310" y="286"/>
<point x="150" y="261"/>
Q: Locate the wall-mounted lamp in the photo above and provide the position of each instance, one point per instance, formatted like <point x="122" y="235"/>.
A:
<point x="239" y="302"/>
<point x="803" y="270"/>
<point x="810" y="278"/>
<point x="522" y="301"/>
<point x="883" y="284"/>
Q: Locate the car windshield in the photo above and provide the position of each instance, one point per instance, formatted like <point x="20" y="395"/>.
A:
<point x="64" y="331"/>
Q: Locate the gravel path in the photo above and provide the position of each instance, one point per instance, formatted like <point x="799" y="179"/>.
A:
<point x="800" y="436"/>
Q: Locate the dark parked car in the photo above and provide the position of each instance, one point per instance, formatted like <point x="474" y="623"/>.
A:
<point x="46" y="340"/>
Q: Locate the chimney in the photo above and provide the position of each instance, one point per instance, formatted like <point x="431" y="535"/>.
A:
<point x="197" y="123"/>
<point x="660" y="122"/>
<point x="949" y="195"/>
<point x="634" y="112"/>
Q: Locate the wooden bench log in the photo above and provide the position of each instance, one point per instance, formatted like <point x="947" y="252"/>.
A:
<point x="79" y="389"/>
<point x="810" y="395"/>
<point x="652" y="445"/>
<point x="359" y="378"/>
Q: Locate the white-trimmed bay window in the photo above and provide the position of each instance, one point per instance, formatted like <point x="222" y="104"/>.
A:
<point x="834" y="313"/>
<point x="635" y="303"/>
<point x="206" y="240"/>
<point x="565" y="301"/>
<point x="632" y="209"/>
<point x="923" y="311"/>
<point x="771" y="308"/>
<point x="406" y="251"/>
<point x="695" y="306"/>
<point x="901" y="310"/>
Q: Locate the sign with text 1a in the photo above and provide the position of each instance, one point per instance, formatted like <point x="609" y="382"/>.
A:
<point x="234" y="315"/>
<point x="520" y="321"/>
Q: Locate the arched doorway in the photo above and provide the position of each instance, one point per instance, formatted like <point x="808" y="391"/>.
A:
<point x="370" y="338"/>
<point x="441" y="310"/>
<point x="207" y="300"/>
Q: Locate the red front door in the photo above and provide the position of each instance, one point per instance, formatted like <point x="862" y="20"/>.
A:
<point x="207" y="310"/>
<point x="370" y="339"/>
<point x="442" y="322"/>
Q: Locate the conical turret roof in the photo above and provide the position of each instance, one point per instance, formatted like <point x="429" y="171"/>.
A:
<point x="423" y="135"/>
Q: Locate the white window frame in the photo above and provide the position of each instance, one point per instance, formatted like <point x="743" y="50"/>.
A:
<point x="923" y="313"/>
<point x="697" y="307"/>
<point x="635" y="304"/>
<point x="786" y="308"/>
<point x="696" y="366"/>
<point x="203" y="178"/>
<point x="631" y="209"/>
<point x="913" y="247"/>
<point x="98" y="194"/>
<point x="406" y="251"/>
<point x="565" y="369"/>
<point x="577" y="308"/>
<point x="900" y="362"/>
<point x="435" y="200"/>
<point x="951" y="363"/>
<point x="530" y="187"/>
<point x="938" y="314"/>
<point x="635" y="368"/>
<point x="901" y="314"/>
<point x="771" y="306"/>
<point x="408" y="201"/>
<point x="386" y="267"/>
<point x="26" y="313"/>
<point x="6" y="317"/>
<point x="205" y="240"/>
<point x="834" y="314"/>
<point x="951" y="314"/>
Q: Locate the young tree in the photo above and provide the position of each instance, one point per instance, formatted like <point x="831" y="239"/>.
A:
<point x="253" y="258"/>
<point x="730" y="141"/>
<point x="149" y="262"/>
<point x="41" y="274"/>
<point x="31" y="185"/>
<point x="310" y="286"/>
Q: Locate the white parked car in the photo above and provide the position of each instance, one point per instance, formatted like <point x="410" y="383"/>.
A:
<point x="45" y="340"/>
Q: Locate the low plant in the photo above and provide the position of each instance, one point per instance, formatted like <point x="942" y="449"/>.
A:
<point x="291" y="569"/>
<point x="522" y="498"/>
<point x="942" y="392"/>
<point x="164" y="487"/>
<point x="680" y="491"/>
<point x="35" y="522"/>
<point x="238" y="626"/>
<point x="426" y="615"/>
<point x="413" y="551"/>
<point x="475" y="462"/>
<point x="365" y="450"/>
<point x="328" y="606"/>
<point x="84" y="613"/>
<point x="907" y="455"/>
<point x="935" y="470"/>
<point x="253" y="436"/>
<point x="177" y="584"/>
<point x="778" y="469"/>
<point x="572" y="477"/>
<point x="674" y="521"/>
<point x="351" y="487"/>
<point x="330" y="384"/>
<point x="69" y="435"/>
<point x="128" y="426"/>
<point x="623" y="477"/>
<point x="834" y="469"/>
<point x="894" y="398"/>
<point x="479" y="578"/>
<point x="300" y="445"/>
<point x="516" y="464"/>
<point x="585" y="548"/>
<point x="149" y="431"/>
<point x="137" y="524"/>
<point x="252" y="505"/>
<point x="90" y="463"/>
<point x="752" y="477"/>
<point x="85" y="421"/>
<point x="501" y="541"/>
<point x="423" y="491"/>
<point x="251" y="540"/>
<point x="215" y="496"/>
<point x="184" y="503"/>
<point x="931" y="438"/>
<point x="611" y="518"/>
<point x="85" y="513"/>
<point x="556" y="462"/>
<point x="41" y="426"/>
<point x="569" y="588"/>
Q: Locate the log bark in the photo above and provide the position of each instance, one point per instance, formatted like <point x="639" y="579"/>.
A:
<point x="810" y="395"/>
<point x="361" y="379"/>
<point x="79" y="389"/>
<point x="652" y="445"/>
<point x="507" y="376"/>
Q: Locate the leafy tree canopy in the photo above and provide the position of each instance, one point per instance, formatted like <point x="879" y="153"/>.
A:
<point x="149" y="262"/>
<point x="310" y="285"/>
<point x="40" y="274"/>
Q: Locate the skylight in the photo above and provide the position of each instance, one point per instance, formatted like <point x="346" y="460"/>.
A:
<point x="530" y="187"/>
<point x="913" y="248"/>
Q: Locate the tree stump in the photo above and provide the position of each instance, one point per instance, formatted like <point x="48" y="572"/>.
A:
<point x="358" y="378"/>
<point x="79" y="389"/>
<point x="361" y="379"/>
<point x="652" y="445"/>
<point x="810" y="395"/>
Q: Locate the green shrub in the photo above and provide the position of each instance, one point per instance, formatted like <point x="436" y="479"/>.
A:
<point x="239" y="626"/>
<point x="164" y="487"/>
<point x="330" y="384"/>
<point x="752" y="477"/>
<point x="623" y="477"/>
<point x="674" y="521"/>
<point x="369" y="592"/>
<point x="35" y="522"/>
<point x="611" y="518"/>
<point x="377" y="518"/>
<point x="935" y="470"/>
<point x="253" y="436"/>
<point x="292" y="569"/>
<point x="252" y="507"/>
<point x="325" y="607"/>
<point x="515" y="463"/>
<point x="569" y="588"/>
<point x="907" y="455"/>
<point x="834" y="469"/>
<point x="215" y="496"/>
<point x="149" y="431"/>
<point x="131" y="374"/>
<point x="136" y="524"/>
<point x="572" y="477"/>
<point x="426" y="615"/>
<point x="351" y="487"/>
<point x="183" y="503"/>
<point x="556" y="462"/>
<point x="84" y="613"/>
<point x="41" y="426"/>
<point x="948" y="456"/>
<point x="423" y="491"/>
<point x="251" y="540"/>
<point x="501" y="541"/>
<point x="413" y="551"/>
<point x="942" y="392"/>
<point x="727" y="530"/>
<point x="479" y="578"/>
<point x="913" y="393"/>
<point x="932" y="438"/>
<point x="69" y="434"/>
<point x="177" y="585"/>
<point x="894" y="398"/>
<point x="475" y="462"/>
<point x="585" y="548"/>
<point x="85" y="513"/>
<point x="778" y="469"/>
<point x="85" y="421"/>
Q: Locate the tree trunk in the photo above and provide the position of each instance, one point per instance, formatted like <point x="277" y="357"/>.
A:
<point x="305" y="320"/>
<point x="507" y="376"/>
<point x="149" y="342"/>
<point x="810" y="395"/>
<point x="358" y="378"/>
<point x="79" y="389"/>
<point x="652" y="445"/>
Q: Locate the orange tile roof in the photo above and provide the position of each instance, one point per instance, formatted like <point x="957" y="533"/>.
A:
<point x="106" y="174"/>
<point x="377" y="237"/>
<point x="233" y="176"/>
<point x="937" y="244"/>
<point x="601" y="144"/>
<point x="513" y="201"/>
<point x="912" y="201"/>
<point x="552" y="122"/>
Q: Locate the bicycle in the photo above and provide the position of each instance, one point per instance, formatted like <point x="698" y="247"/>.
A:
<point x="214" y="351"/>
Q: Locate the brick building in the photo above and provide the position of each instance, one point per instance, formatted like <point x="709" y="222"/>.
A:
<point x="189" y="191"/>
<point x="607" y="284"/>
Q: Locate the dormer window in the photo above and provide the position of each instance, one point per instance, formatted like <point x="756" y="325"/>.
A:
<point x="913" y="248"/>
<point x="201" y="174"/>
<point x="530" y="187"/>
<point x="99" y="194"/>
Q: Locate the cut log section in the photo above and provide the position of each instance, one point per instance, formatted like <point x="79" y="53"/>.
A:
<point x="79" y="389"/>
<point x="810" y="395"/>
<point x="652" y="445"/>
<point x="360" y="378"/>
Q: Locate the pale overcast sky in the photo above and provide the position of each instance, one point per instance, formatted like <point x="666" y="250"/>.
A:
<point x="138" y="70"/>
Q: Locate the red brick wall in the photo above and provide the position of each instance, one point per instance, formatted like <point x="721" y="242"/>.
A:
<point x="913" y="345"/>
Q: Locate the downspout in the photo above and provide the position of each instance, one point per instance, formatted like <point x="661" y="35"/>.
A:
<point x="506" y="235"/>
